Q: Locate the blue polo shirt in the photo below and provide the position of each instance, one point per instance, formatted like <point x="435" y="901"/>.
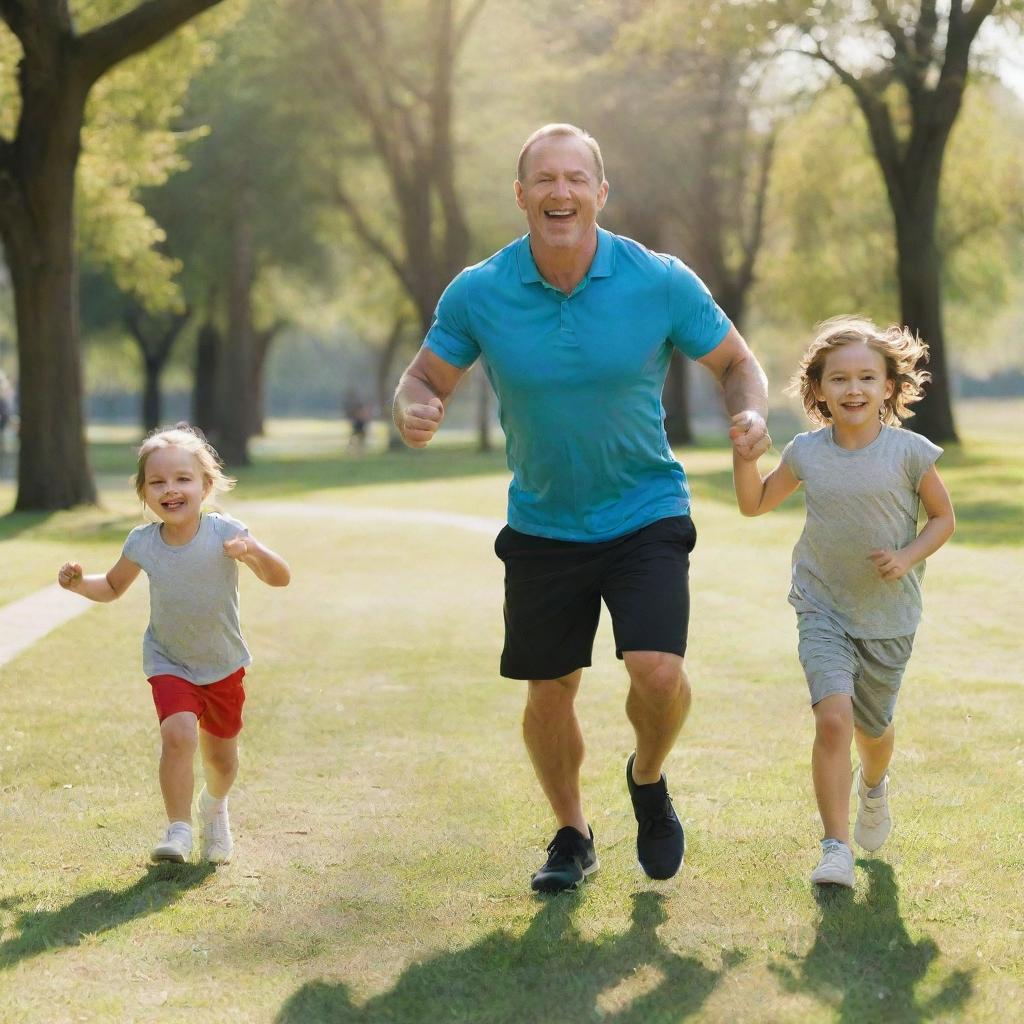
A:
<point x="579" y="380"/>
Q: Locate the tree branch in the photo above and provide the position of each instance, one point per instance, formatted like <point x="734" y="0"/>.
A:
<point x="134" y="31"/>
<point x="13" y="12"/>
<point x="463" y="26"/>
<point x="371" y="237"/>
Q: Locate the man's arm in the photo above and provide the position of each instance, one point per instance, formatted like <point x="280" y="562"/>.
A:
<point x="745" y="389"/>
<point x="421" y="395"/>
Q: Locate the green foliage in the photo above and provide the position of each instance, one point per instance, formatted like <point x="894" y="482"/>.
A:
<point x="129" y="143"/>
<point x="830" y="237"/>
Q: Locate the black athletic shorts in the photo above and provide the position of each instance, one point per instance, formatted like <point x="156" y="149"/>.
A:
<point x="554" y="588"/>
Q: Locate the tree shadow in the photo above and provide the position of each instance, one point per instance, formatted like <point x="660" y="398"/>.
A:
<point x="42" y="931"/>
<point x="549" y="973"/>
<point x="864" y="962"/>
<point x="14" y="523"/>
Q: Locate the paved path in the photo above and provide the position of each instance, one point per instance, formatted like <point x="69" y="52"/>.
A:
<point x="29" y="619"/>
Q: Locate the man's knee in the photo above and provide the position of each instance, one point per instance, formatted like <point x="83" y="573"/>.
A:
<point x="553" y="696"/>
<point x="657" y="676"/>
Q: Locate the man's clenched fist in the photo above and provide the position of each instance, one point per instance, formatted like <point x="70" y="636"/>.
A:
<point x="420" y="422"/>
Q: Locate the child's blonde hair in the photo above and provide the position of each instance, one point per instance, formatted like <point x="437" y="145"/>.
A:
<point x="191" y="439"/>
<point x="901" y="349"/>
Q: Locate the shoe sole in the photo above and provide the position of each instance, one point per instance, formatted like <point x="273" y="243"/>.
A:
<point x="166" y="858"/>
<point x="871" y="849"/>
<point x="550" y="888"/>
<point x="660" y="878"/>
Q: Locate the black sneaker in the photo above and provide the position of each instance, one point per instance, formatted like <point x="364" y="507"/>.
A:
<point x="571" y="858"/>
<point x="660" y="844"/>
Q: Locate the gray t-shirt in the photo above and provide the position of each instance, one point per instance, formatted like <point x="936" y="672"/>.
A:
<point x="858" y="501"/>
<point x="193" y="598"/>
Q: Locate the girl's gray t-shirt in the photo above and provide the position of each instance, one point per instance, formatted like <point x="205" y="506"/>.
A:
<point x="858" y="501"/>
<point x="193" y="629"/>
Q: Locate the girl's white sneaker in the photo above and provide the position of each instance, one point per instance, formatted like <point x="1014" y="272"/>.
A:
<point x="835" y="866"/>
<point x="217" y="839"/>
<point x="874" y="822"/>
<point x="176" y="845"/>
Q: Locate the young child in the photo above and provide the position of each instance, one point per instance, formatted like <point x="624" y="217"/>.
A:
<point x="857" y="567"/>
<point x="193" y="652"/>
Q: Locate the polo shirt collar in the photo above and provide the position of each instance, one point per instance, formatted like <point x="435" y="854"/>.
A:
<point x="602" y="265"/>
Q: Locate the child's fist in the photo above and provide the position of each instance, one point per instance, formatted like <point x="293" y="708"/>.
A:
<point x="236" y="548"/>
<point x="891" y="565"/>
<point x="70" y="575"/>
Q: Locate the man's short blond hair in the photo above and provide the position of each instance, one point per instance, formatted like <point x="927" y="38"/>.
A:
<point x="569" y="130"/>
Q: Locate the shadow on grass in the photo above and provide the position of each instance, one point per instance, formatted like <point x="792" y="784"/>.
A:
<point x="43" y="931"/>
<point x="550" y="973"/>
<point x="864" y="960"/>
<point x="14" y="523"/>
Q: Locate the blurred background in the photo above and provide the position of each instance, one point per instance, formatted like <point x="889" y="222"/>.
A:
<point x="242" y="210"/>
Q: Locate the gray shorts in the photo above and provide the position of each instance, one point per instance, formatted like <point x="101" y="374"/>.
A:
<point x="868" y="671"/>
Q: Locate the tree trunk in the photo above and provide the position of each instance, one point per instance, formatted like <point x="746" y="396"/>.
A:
<point x="918" y="272"/>
<point x="236" y="380"/>
<point x="261" y="349"/>
<point x="151" y="411"/>
<point x="385" y="385"/>
<point x="206" y="386"/>
<point x="483" y="409"/>
<point x="53" y="468"/>
<point x="676" y="399"/>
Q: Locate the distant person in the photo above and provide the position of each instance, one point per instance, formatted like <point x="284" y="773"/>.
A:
<point x="577" y="326"/>
<point x="858" y="565"/>
<point x="193" y="652"/>
<point x="359" y="414"/>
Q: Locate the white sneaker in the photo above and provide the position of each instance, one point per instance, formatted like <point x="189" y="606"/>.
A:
<point x="873" y="820"/>
<point x="217" y="839"/>
<point x="176" y="845"/>
<point x="835" y="866"/>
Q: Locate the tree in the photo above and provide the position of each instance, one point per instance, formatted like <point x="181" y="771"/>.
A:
<point x="394" y="73"/>
<point x="239" y="218"/>
<point x="688" y="144"/>
<point x="58" y="69"/>
<point x="909" y="91"/>
<point x="830" y="218"/>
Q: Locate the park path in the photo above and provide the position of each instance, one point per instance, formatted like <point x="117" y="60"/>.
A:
<point x="29" y="619"/>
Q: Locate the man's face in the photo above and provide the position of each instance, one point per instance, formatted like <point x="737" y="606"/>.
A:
<point x="561" y="194"/>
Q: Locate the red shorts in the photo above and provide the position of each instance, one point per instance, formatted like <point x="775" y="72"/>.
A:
<point x="218" y="706"/>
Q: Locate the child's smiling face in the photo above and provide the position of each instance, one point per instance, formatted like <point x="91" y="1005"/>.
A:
<point x="174" y="486"/>
<point x="854" y="384"/>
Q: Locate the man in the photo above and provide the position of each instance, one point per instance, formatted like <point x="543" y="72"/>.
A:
<point x="577" y="326"/>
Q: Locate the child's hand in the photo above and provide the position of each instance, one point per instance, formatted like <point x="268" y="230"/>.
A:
<point x="70" y="575"/>
<point x="236" y="548"/>
<point x="891" y="565"/>
<point x="749" y="435"/>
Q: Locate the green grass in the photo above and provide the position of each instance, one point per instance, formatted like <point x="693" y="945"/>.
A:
<point x="387" y="819"/>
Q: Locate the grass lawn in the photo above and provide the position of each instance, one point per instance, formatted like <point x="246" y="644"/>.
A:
<point x="387" y="820"/>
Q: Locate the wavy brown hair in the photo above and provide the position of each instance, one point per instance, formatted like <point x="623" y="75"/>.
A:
<point x="901" y="349"/>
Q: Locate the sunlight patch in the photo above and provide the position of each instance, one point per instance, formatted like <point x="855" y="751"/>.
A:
<point x="644" y="980"/>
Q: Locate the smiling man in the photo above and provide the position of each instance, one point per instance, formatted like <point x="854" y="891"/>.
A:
<point x="576" y="326"/>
